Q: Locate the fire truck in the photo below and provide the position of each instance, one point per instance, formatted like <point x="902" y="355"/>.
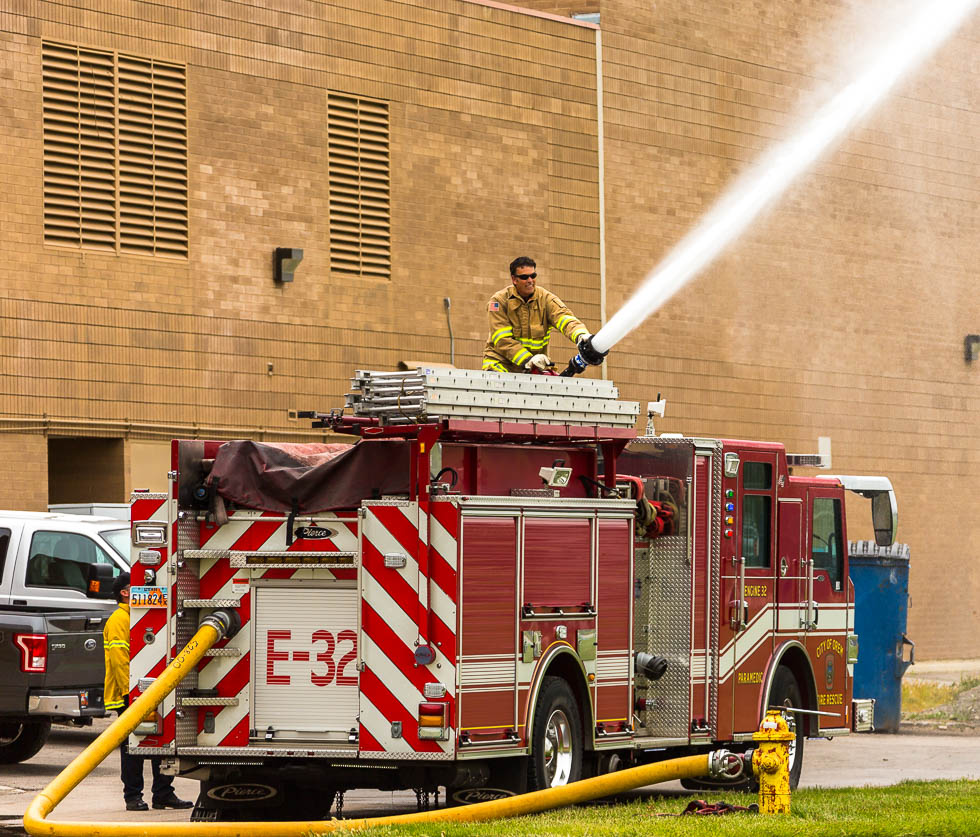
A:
<point x="498" y="587"/>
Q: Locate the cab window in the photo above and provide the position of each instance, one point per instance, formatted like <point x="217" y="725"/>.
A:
<point x="4" y="544"/>
<point x="61" y="559"/>
<point x="756" y="513"/>
<point x="828" y="539"/>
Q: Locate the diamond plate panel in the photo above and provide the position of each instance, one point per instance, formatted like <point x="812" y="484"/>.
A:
<point x="166" y="750"/>
<point x="188" y="587"/>
<point x="715" y="615"/>
<point x="666" y="601"/>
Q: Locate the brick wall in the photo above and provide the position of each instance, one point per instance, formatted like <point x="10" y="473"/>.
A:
<point x="493" y="137"/>
<point x="23" y="472"/>
<point x="841" y="313"/>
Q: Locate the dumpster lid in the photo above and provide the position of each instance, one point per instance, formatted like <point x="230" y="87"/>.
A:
<point x="860" y="549"/>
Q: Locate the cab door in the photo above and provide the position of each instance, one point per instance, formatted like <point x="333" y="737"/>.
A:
<point x="828" y="613"/>
<point x="791" y="568"/>
<point x="754" y="616"/>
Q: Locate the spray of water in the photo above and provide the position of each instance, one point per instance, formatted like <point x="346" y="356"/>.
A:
<point x="922" y="33"/>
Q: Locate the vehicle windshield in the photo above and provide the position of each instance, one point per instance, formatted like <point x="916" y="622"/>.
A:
<point x="118" y="539"/>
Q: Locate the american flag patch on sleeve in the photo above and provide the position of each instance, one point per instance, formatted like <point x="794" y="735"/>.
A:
<point x="494" y="305"/>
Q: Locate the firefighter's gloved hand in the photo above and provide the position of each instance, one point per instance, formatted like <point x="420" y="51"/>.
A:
<point x="582" y="338"/>
<point x="540" y="362"/>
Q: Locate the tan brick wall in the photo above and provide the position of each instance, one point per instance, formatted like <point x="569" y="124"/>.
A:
<point x="23" y="472"/>
<point x="493" y="126"/>
<point x="841" y="312"/>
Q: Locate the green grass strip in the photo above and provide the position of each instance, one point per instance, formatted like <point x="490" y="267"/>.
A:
<point x="910" y="808"/>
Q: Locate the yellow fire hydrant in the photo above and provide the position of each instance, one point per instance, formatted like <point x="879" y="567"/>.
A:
<point x="770" y="763"/>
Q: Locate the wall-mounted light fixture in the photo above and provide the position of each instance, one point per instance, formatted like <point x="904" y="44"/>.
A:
<point x="971" y="347"/>
<point x="287" y="259"/>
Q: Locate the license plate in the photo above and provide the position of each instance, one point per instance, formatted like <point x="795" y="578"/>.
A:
<point x="148" y="597"/>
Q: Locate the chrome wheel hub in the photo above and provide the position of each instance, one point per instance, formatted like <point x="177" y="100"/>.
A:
<point x="557" y="749"/>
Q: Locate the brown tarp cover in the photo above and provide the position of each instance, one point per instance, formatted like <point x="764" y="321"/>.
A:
<point x="316" y="477"/>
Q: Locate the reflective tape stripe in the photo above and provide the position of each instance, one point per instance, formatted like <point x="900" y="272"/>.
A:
<point x="115" y="704"/>
<point x="522" y="356"/>
<point x="578" y="333"/>
<point x="501" y="333"/>
<point x="118" y="643"/>
<point x="531" y="343"/>
<point x="495" y="365"/>
<point x="562" y="321"/>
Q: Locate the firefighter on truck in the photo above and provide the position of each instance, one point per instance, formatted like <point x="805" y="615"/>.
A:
<point x="522" y="317"/>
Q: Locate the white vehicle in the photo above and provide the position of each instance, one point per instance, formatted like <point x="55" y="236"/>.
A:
<point x="44" y="558"/>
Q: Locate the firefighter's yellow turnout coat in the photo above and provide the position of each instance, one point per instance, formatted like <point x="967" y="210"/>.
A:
<point x="115" y="639"/>
<point x="521" y="328"/>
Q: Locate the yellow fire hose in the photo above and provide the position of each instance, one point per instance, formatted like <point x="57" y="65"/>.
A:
<point x="211" y="631"/>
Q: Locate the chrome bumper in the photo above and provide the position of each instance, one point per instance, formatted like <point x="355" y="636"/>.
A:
<point x="80" y="703"/>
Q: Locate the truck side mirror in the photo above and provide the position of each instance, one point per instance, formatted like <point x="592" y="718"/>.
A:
<point x="883" y="517"/>
<point x="98" y="584"/>
<point x="884" y="506"/>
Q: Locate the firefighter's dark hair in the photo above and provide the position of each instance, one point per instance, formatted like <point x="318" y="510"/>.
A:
<point x="521" y="261"/>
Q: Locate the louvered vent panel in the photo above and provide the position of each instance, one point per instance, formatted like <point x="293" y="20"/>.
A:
<point x="79" y="147"/>
<point x="115" y="152"/>
<point x="152" y="158"/>
<point x="359" y="182"/>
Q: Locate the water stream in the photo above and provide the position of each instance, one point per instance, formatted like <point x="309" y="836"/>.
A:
<point x="930" y="24"/>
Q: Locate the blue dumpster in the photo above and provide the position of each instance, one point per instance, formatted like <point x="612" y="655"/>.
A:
<point x="881" y="603"/>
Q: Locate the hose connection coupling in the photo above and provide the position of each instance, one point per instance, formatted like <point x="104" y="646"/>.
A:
<point x="588" y="355"/>
<point x="650" y="666"/>
<point x="226" y="622"/>
<point x="724" y="764"/>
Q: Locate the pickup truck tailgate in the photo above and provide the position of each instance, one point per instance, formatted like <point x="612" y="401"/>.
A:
<point x="75" y="656"/>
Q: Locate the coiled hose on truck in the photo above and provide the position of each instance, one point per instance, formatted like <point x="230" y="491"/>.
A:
<point x="214" y="628"/>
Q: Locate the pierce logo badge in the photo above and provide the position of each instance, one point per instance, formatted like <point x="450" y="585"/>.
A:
<point x="471" y="796"/>
<point x="313" y="533"/>
<point x="248" y="792"/>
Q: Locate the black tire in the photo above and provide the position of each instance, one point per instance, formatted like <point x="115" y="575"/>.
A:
<point x="21" y="740"/>
<point x="556" y="741"/>
<point x="786" y="692"/>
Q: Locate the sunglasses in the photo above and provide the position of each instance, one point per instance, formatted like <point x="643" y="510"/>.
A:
<point x="529" y="276"/>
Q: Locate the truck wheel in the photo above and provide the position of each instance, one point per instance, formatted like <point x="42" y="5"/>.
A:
<point x="786" y="692"/>
<point x="556" y="746"/>
<point x="20" y="741"/>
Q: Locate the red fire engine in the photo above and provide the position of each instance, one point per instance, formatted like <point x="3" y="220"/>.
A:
<point x="499" y="587"/>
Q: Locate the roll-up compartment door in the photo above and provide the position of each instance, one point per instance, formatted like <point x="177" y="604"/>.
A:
<point x="305" y="662"/>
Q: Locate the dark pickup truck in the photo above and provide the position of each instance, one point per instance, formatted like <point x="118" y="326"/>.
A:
<point x="51" y="659"/>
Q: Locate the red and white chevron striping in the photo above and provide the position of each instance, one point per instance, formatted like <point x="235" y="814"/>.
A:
<point x="394" y="621"/>
<point x="253" y="532"/>
<point x="148" y="659"/>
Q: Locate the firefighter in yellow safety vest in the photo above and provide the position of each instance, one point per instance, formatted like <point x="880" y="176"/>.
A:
<point x="522" y="318"/>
